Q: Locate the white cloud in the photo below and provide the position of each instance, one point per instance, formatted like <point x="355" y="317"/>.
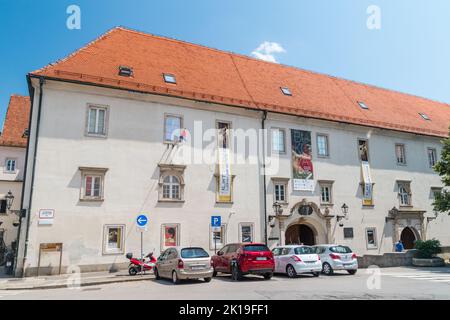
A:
<point x="266" y="51"/>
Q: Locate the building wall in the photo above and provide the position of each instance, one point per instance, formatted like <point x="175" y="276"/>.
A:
<point x="11" y="182"/>
<point x="134" y="147"/>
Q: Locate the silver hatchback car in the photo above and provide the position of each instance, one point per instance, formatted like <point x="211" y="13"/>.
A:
<point x="184" y="263"/>
<point x="336" y="257"/>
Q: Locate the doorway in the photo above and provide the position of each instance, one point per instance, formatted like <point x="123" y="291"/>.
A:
<point x="300" y="234"/>
<point x="408" y="238"/>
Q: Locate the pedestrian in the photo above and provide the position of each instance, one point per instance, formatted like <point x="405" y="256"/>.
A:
<point x="399" y="246"/>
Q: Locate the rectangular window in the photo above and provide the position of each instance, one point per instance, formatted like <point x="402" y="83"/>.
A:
<point x="278" y="140"/>
<point x="10" y="166"/>
<point x="432" y="157"/>
<point x="348" y="233"/>
<point x="92" y="183"/>
<point x="326" y="193"/>
<point x="404" y="193"/>
<point x="3" y="204"/>
<point x="280" y="192"/>
<point x="435" y="191"/>
<point x="223" y="134"/>
<point x="363" y="150"/>
<point x="114" y="240"/>
<point x="400" y="154"/>
<point x="371" y="238"/>
<point x="322" y="145"/>
<point x="246" y="232"/>
<point x="217" y="237"/>
<point x="172" y="128"/>
<point x="96" y="122"/>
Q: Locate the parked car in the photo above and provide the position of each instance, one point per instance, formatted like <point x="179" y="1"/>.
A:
<point x="336" y="257"/>
<point x="240" y="259"/>
<point x="296" y="259"/>
<point x="184" y="263"/>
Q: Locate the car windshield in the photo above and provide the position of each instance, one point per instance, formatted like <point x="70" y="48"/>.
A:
<point x="189" y="253"/>
<point x="341" y="249"/>
<point x="256" y="247"/>
<point x="304" y="250"/>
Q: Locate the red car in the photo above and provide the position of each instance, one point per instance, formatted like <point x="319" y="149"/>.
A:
<point x="240" y="259"/>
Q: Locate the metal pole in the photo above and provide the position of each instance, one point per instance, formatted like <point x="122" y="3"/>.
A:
<point x="215" y="243"/>
<point x="142" y="252"/>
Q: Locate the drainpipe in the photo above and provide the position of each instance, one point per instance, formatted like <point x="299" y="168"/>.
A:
<point x="41" y="83"/>
<point x="263" y="120"/>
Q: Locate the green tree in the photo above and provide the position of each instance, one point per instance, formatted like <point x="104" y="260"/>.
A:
<point x="442" y="202"/>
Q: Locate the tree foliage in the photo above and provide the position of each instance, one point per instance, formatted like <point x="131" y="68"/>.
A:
<point x="442" y="167"/>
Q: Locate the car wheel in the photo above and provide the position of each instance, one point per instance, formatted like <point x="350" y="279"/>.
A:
<point x="316" y="274"/>
<point x="327" y="269"/>
<point x="207" y="279"/>
<point x="175" y="279"/>
<point x="268" y="276"/>
<point x="235" y="272"/>
<point x="155" y="271"/>
<point x="290" y="271"/>
<point x="352" y="272"/>
<point x="132" y="271"/>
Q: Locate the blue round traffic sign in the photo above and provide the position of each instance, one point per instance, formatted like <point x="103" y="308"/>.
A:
<point x="141" y="220"/>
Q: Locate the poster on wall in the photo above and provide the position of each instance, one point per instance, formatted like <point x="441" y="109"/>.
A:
<point x="170" y="235"/>
<point x="302" y="166"/>
<point x="367" y="184"/>
<point x="224" y="175"/>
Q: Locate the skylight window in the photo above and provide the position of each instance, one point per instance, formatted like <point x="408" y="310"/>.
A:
<point x="125" y="71"/>
<point x="286" y="91"/>
<point x="169" y="78"/>
<point x="423" y="115"/>
<point x="363" y="105"/>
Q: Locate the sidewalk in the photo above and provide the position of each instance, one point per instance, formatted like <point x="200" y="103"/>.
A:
<point x="70" y="280"/>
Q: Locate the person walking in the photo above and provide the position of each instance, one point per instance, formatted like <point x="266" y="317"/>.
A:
<point x="399" y="246"/>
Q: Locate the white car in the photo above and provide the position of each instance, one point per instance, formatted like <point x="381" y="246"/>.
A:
<point x="336" y="257"/>
<point x="296" y="259"/>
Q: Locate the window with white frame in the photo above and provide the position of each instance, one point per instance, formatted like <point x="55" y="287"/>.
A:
<point x="171" y="182"/>
<point x="113" y="242"/>
<point x="371" y="238"/>
<point x="435" y="191"/>
<point x="246" y="232"/>
<point x="404" y="193"/>
<point x="322" y="145"/>
<point x="92" y="183"/>
<point x="171" y="188"/>
<point x="280" y="192"/>
<point x="217" y="237"/>
<point x="10" y="165"/>
<point x="172" y="128"/>
<point x="326" y="190"/>
<point x="278" y="140"/>
<point x="400" y="154"/>
<point x="97" y="121"/>
<point x="432" y="157"/>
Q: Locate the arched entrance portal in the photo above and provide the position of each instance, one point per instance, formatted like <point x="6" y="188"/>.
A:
<point x="300" y="234"/>
<point x="408" y="238"/>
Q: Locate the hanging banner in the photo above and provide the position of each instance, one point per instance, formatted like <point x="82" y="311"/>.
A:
<point x="302" y="166"/>
<point x="368" y="185"/>
<point x="224" y="175"/>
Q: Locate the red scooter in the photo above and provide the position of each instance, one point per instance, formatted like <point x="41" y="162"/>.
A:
<point x="135" y="266"/>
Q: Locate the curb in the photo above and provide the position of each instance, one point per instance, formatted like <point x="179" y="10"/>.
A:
<point x="86" y="284"/>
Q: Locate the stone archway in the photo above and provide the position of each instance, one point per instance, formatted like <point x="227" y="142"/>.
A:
<point x="300" y="234"/>
<point x="409" y="237"/>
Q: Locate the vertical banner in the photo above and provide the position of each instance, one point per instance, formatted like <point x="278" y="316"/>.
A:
<point x="302" y="166"/>
<point x="224" y="175"/>
<point x="367" y="180"/>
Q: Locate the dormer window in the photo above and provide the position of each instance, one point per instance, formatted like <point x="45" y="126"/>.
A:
<point x="125" y="71"/>
<point x="25" y="133"/>
<point x="286" y="91"/>
<point x="363" y="105"/>
<point x="169" y="78"/>
<point x="424" y="116"/>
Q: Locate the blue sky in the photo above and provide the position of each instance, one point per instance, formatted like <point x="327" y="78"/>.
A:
<point x="410" y="53"/>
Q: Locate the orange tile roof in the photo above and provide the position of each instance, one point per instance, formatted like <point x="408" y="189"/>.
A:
<point x="16" y="122"/>
<point x="212" y="75"/>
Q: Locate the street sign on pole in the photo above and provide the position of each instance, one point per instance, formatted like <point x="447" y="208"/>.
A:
<point x="216" y="225"/>
<point x="141" y="222"/>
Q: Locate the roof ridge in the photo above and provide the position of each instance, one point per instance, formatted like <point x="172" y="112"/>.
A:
<point x="127" y="29"/>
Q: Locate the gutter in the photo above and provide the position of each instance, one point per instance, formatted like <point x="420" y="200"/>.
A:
<point x="263" y="121"/>
<point x="41" y="83"/>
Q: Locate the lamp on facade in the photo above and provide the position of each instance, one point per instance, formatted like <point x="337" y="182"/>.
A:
<point x="344" y="209"/>
<point x="278" y="210"/>
<point x="9" y="200"/>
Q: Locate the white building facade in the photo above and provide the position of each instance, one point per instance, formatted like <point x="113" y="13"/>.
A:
<point x="100" y="155"/>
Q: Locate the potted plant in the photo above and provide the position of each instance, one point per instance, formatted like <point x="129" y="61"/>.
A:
<point x="426" y="254"/>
